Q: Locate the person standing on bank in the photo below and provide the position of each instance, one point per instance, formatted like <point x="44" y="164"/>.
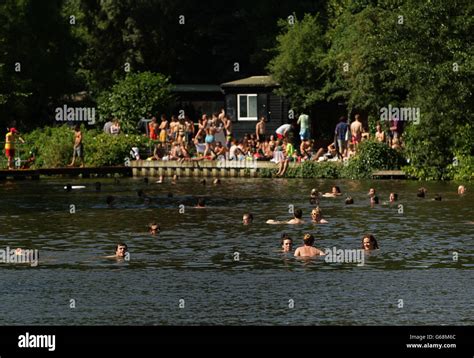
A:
<point x="10" y="139"/>
<point x="78" y="150"/>
<point x="260" y="129"/>
<point x="303" y="121"/>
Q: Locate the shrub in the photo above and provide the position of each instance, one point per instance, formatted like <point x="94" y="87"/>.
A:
<point x="53" y="146"/>
<point x="372" y="156"/>
<point x="135" y="97"/>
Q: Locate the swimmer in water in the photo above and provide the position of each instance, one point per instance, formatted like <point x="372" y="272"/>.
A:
<point x="393" y="197"/>
<point x="335" y="191"/>
<point x="154" y="228"/>
<point x="349" y="200"/>
<point x="371" y="192"/>
<point x="120" y="252"/>
<point x="247" y="219"/>
<point x="298" y="214"/>
<point x="374" y="200"/>
<point x="317" y="216"/>
<point x="421" y="193"/>
<point x="286" y="243"/>
<point x="110" y="200"/>
<point x="461" y="189"/>
<point x="307" y="250"/>
<point x="369" y="243"/>
<point x="314" y="197"/>
<point x="160" y="180"/>
<point x="216" y="181"/>
<point x="201" y="204"/>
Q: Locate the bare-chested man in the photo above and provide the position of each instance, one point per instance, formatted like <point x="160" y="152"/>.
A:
<point x="260" y="129"/>
<point x="356" y="130"/>
<point x="298" y="214"/>
<point x="307" y="250"/>
<point x="78" y="150"/>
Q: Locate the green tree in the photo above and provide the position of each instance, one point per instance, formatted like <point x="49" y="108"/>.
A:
<point x="37" y="57"/>
<point x="297" y="66"/>
<point x="135" y="97"/>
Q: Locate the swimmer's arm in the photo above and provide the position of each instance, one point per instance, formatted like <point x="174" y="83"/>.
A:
<point x="271" y="221"/>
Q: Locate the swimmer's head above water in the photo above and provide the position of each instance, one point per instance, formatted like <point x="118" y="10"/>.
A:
<point x="369" y="243"/>
<point x="154" y="228"/>
<point x="121" y="250"/>
<point x="247" y="219"/>
<point x="286" y="243"/>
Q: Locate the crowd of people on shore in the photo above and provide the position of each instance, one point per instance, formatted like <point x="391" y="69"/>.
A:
<point x="213" y="139"/>
<point x="178" y="139"/>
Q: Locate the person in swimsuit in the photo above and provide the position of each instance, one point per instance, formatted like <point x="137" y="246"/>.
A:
<point x="78" y="151"/>
<point x="10" y="139"/>
<point x="163" y="129"/>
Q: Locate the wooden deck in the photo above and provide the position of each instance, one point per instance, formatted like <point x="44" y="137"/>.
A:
<point x="205" y="168"/>
<point x="143" y="168"/>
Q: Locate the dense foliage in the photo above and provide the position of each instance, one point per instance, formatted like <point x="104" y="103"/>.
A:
<point x="53" y="147"/>
<point x="135" y="97"/>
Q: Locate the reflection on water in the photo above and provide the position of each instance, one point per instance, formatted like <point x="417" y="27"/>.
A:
<point x="426" y="254"/>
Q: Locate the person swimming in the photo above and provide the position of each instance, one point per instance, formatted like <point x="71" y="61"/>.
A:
<point x="154" y="228"/>
<point x="201" y="203"/>
<point x="247" y="219"/>
<point x="216" y="181"/>
<point x="349" y="200"/>
<point x="297" y="215"/>
<point x="314" y="197"/>
<point x="121" y="252"/>
<point x="286" y="243"/>
<point x="335" y="191"/>
<point x="307" y="250"/>
<point x="110" y="200"/>
<point x="461" y="189"/>
<point x="421" y="192"/>
<point x="371" y="192"/>
<point x="393" y="197"/>
<point x="317" y="216"/>
<point x="374" y="200"/>
<point x="369" y="243"/>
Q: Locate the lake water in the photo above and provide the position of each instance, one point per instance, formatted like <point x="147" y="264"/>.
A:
<point x="188" y="274"/>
